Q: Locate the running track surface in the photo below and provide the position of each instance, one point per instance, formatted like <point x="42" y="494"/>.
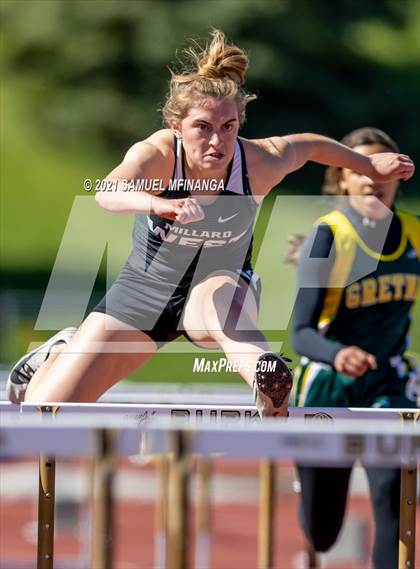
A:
<point x="234" y="537"/>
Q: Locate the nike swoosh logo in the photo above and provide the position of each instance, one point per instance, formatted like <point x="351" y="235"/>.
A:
<point x="221" y="220"/>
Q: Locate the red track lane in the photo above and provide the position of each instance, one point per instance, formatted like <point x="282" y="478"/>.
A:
<point x="234" y="540"/>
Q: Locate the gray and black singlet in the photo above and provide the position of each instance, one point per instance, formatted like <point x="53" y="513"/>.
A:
<point x="168" y="258"/>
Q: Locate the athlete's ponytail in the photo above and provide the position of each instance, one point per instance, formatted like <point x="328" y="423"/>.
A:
<point x="217" y="71"/>
<point x="220" y="60"/>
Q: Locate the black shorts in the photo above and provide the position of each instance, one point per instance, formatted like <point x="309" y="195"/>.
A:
<point x="152" y="307"/>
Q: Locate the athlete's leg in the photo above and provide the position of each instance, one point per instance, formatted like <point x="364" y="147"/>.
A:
<point x="221" y="310"/>
<point x="25" y="368"/>
<point x="210" y="318"/>
<point x="323" y="503"/>
<point x="103" y="351"/>
<point x="384" y="484"/>
<point x="43" y="370"/>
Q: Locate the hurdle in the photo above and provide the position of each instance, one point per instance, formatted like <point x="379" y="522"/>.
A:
<point x="203" y="527"/>
<point x="46" y="506"/>
<point x="102" y="518"/>
<point x="266" y="514"/>
<point x="355" y="448"/>
<point x="408" y="500"/>
<point x="139" y="417"/>
<point x="161" y="515"/>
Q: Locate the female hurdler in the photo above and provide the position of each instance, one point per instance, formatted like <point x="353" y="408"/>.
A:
<point x="190" y="270"/>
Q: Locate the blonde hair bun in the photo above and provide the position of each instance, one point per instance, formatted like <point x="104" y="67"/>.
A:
<point x="218" y="71"/>
<point x="221" y="60"/>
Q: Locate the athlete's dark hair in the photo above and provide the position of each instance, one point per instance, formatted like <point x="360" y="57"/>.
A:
<point x="331" y="186"/>
<point x="359" y="137"/>
<point x="216" y="71"/>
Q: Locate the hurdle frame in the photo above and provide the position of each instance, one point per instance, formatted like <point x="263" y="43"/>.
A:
<point x="408" y="502"/>
<point x="179" y="518"/>
<point x="203" y="512"/>
<point x="161" y="463"/>
<point x="182" y="470"/>
<point x="102" y="554"/>
<point x="266" y="520"/>
<point x="46" y="503"/>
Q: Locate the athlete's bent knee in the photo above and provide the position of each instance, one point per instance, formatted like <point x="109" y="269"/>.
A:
<point x="221" y="318"/>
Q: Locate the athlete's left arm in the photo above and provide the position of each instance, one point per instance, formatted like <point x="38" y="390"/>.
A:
<point x="289" y="153"/>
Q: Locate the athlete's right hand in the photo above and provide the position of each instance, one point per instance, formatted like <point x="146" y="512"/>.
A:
<point x="184" y="210"/>
<point x="169" y="209"/>
<point x="354" y="361"/>
<point x="191" y="211"/>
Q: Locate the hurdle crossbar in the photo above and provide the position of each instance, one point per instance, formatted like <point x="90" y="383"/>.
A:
<point x="342" y="442"/>
<point x="328" y="440"/>
<point x="216" y="413"/>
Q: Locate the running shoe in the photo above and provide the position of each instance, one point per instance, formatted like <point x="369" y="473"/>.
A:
<point x="272" y="385"/>
<point x="23" y="371"/>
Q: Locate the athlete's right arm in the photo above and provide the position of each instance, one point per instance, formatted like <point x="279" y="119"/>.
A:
<point x="306" y="338"/>
<point x="142" y="175"/>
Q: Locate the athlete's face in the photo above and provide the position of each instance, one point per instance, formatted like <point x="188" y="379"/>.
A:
<point x="209" y="133"/>
<point x="369" y="198"/>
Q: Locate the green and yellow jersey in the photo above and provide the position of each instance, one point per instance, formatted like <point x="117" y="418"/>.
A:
<point x="368" y="299"/>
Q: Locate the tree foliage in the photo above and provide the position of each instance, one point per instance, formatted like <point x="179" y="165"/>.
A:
<point x="99" y="68"/>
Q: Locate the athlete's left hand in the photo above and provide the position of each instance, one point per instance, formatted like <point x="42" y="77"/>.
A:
<point x="389" y="166"/>
<point x="354" y="361"/>
<point x="191" y="211"/>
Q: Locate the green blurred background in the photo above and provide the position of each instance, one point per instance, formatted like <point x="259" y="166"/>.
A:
<point x="83" y="80"/>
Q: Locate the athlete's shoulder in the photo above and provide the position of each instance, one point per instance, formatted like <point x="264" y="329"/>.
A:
<point x="332" y="219"/>
<point x="338" y="227"/>
<point x="252" y="150"/>
<point x="265" y="149"/>
<point x="153" y="157"/>
<point x="160" y="143"/>
<point x="415" y="218"/>
<point x="319" y="240"/>
<point x="268" y="161"/>
<point x="411" y="226"/>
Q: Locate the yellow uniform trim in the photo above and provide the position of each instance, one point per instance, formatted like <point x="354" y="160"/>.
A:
<point x="346" y="239"/>
<point x="300" y="399"/>
<point x="380" y="256"/>
<point x="411" y="227"/>
<point x="345" y="248"/>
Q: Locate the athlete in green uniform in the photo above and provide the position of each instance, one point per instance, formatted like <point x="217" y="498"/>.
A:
<point x="351" y="326"/>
